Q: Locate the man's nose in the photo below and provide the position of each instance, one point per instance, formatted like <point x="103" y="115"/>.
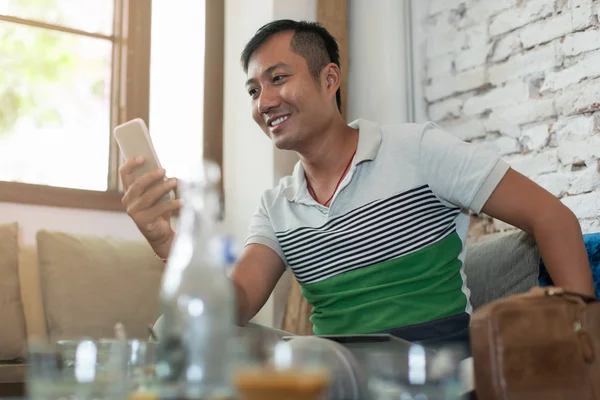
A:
<point x="267" y="101"/>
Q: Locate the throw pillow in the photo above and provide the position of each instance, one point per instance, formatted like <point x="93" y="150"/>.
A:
<point x="91" y="283"/>
<point x="501" y="267"/>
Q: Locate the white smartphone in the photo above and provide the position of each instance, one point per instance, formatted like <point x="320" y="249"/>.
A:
<point x="134" y="141"/>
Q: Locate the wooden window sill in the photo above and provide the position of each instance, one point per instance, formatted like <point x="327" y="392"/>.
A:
<point x="25" y="193"/>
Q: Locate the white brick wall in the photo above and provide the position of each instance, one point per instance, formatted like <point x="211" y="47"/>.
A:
<point x="522" y="78"/>
<point x="516" y="17"/>
<point x="579" y="42"/>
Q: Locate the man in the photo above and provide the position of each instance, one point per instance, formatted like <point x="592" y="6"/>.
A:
<point x="374" y="219"/>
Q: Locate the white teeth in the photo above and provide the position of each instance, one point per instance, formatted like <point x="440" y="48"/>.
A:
<point x="279" y="120"/>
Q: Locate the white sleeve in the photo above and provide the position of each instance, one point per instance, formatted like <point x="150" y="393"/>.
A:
<point x="458" y="172"/>
<point x="261" y="231"/>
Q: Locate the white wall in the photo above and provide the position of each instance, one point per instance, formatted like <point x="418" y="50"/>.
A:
<point x="377" y="80"/>
<point x="32" y="218"/>
<point x="523" y="79"/>
<point x="294" y="9"/>
<point x="419" y="40"/>
<point x="251" y="163"/>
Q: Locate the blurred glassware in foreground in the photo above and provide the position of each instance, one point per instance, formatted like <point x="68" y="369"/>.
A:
<point x="197" y="299"/>
<point x="419" y="374"/>
<point x="81" y="369"/>
<point x="275" y="370"/>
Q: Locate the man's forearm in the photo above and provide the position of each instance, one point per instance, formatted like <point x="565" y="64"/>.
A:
<point x="241" y="300"/>
<point x="560" y="242"/>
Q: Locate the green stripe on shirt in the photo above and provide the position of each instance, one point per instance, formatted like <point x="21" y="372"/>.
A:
<point x="419" y="287"/>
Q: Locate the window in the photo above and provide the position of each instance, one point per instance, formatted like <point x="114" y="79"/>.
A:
<point x="66" y="79"/>
<point x="177" y="84"/>
<point x="187" y="69"/>
<point x="55" y="95"/>
<point x="71" y="70"/>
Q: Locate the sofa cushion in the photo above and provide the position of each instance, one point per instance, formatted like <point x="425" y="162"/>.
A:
<point x="501" y="266"/>
<point x="12" y="323"/>
<point x="91" y="283"/>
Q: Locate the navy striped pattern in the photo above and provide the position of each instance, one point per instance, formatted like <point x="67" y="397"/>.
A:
<point x="376" y="232"/>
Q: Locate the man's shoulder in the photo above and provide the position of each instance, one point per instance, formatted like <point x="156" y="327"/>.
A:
<point x="407" y="130"/>
<point x="407" y="137"/>
<point x="401" y="139"/>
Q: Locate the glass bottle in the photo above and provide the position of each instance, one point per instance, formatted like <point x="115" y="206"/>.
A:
<point x="197" y="299"/>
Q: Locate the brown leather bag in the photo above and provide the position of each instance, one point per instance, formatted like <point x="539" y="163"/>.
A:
<point x="544" y="344"/>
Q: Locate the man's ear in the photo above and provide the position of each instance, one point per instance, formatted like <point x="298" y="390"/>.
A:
<point x="332" y="76"/>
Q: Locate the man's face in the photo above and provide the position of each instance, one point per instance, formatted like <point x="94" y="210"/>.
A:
<point x="287" y="103"/>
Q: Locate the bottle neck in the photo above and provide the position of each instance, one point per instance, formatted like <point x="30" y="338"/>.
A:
<point x="197" y="249"/>
<point x="198" y="215"/>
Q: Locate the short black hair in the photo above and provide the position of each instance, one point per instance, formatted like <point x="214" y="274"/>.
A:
<point x="311" y="41"/>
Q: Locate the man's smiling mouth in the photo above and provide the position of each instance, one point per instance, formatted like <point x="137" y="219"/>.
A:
<point x="276" y="122"/>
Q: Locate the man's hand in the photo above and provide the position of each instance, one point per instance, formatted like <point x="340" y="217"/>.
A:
<point x="141" y="200"/>
<point x="522" y="203"/>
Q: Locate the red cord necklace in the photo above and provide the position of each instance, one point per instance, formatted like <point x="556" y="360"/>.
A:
<point x="312" y="191"/>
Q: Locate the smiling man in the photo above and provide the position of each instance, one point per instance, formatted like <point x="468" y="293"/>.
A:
<point x="374" y="218"/>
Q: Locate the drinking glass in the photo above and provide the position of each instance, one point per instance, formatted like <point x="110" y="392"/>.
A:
<point x="418" y="373"/>
<point x="90" y="369"/>
<point x="141" y="370"/>
<point x="275" y="370"/>
<point x="76" y="369"/>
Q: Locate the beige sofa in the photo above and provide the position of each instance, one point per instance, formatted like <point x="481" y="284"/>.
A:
<point x="70" y="286"/>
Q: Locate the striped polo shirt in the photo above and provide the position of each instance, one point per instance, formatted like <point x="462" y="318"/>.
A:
<point x="389" y="250"/>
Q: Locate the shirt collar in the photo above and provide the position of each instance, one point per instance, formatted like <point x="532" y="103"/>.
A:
<point x="369" y="141"/>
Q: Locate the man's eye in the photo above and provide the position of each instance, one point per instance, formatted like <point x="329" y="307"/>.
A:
<point x="278" y="78"/>
<point x="252" y="92"/>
